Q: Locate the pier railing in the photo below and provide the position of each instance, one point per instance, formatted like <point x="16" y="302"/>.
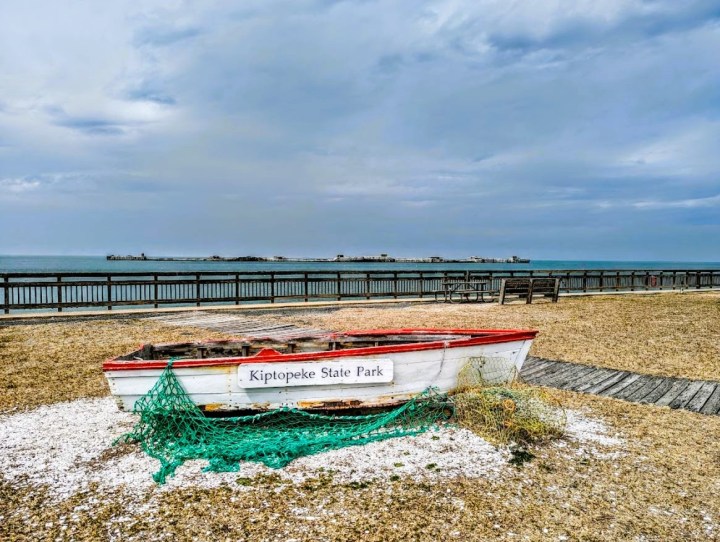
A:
<point x="58" y="291"/>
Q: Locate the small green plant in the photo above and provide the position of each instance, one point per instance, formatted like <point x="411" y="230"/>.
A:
<point x="398" y="464"/>
<point x="520" y="456"/>
<point x="431" y="466"/>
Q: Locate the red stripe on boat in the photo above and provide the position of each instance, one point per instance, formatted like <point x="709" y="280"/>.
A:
<point x="489" y="336"/>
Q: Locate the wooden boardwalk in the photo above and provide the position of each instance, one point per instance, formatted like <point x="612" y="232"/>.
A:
<point x="236" y="324"/>
<point x="701" y="396"/>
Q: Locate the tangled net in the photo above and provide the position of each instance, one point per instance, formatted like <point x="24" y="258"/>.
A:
<point x="173" y="430"/>
<point x="508" y="413"/>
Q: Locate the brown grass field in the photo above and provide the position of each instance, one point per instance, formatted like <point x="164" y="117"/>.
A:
<point x="661" y="484"/>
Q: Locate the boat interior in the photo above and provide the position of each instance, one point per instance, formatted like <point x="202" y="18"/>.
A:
<point x="248" y="348"/>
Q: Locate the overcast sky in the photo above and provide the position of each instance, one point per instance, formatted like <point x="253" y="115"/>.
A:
<point x="549" y="129"/>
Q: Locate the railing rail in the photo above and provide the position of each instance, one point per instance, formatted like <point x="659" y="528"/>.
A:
<point x="58" y="291"/>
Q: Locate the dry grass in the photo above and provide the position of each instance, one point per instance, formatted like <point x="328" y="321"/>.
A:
<point x="49" y="363"/>
<point x="667" y="334"/>
<point x="661" y="485"/>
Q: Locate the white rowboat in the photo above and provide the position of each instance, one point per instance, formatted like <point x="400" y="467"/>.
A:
<point x="354" y="370"/>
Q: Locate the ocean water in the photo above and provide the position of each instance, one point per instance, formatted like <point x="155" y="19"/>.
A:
<point x="79" y="264"/>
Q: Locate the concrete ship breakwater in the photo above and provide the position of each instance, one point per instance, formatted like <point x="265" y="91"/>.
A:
<point x="338" y="258"/>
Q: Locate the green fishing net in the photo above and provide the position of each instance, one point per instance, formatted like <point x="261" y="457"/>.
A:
<point x="173" y="429"/>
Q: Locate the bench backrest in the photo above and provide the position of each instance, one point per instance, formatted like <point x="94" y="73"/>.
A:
<point x="527" y="287"/>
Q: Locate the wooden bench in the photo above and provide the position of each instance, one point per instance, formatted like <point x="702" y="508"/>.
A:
<point x="527" y="288"/>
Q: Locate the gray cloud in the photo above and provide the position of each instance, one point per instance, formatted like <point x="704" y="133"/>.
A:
<point x="441" y="127"/>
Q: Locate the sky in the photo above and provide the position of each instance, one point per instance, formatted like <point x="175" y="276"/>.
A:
<point x="548" y="129"/>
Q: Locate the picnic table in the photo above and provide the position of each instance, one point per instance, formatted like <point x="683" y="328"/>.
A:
<point x="464" y="290"/>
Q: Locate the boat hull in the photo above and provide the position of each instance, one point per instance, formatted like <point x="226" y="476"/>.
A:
<point x="218" y="385"/>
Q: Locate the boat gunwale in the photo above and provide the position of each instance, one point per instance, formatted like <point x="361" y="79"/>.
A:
<point x="482" y="336"/>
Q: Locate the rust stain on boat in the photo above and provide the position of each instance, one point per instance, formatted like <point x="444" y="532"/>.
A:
<point x="213" y="406"/>
<point x="332" y="404"/>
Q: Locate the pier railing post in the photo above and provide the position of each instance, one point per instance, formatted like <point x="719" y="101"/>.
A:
<point x="339" y="286"/>
<point x="108" y="291"/>
<point x="59" y="293"/>
<point x="156" y="290"/>
<point x="197" y="289"/>
<point x="237" y="288"/>
<point x="307" y="288"/>
<point x="6" y="295"/>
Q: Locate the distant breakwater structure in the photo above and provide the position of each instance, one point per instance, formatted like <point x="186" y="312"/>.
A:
<point x="382" y="258"/>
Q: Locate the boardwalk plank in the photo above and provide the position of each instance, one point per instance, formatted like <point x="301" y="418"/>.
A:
<point x="703" y="394"/>
<point x="240" y="326"/>
<point x="598" y="376"/>
<point x="650" y="384"/>
<point x="657" y="393"/>
<point x="578" y="371"/>
<point x="676" y="389"/>
<point x="684" y="397"/>
<point x="712" y="405"/>
<point x="545" y="372"/>
<point x="537" y="367"/>
<point x="607" y="382"/>
<point x="548" y="379"/>
<point x="619" y="385"/>
<point x="633" y="388"/>
<point x="583" y="378"/>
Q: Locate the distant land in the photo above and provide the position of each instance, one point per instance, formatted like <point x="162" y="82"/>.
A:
<point x="339" y="258"/>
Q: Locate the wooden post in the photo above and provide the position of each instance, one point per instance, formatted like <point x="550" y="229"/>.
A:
<point x="197" y="289"/>
<point x="59" y="293"/>
<point x="339" y="286"/>
<point x="602" y="281"/>
<point x="272" y="287"/>
<point x="395" y="285"/>
<point x="156" y="290"/>
<point x="237" y="288"/>
<point x="632" y="281"/>
<point x="556" y="291"/>
<point x="502" y="291"/>
<point x="307" y="288"/>
<point x="698" y="279"/>
<point x="367" y="285"/>
<point x="584" y="281"/>
<point x="108" y="287"/>
<point x="422" y="284"/>
<point x="531" y="282"/>
<point x="6" y="299"/>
